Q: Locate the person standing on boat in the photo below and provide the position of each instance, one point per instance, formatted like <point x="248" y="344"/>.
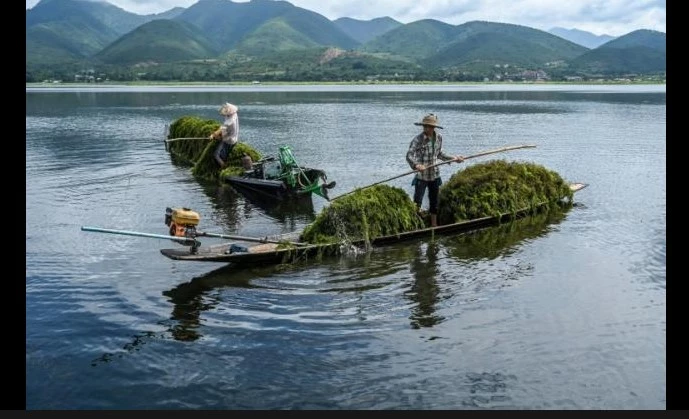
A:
<point x="424" y="151"/>
<point x="228" y="133"/>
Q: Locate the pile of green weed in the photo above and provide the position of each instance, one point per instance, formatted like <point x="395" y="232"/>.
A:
<point x="200" y="129"/>
<point x="499" y="187"/>
<point x="199" y="151"/>
<point x="365" y="214"/>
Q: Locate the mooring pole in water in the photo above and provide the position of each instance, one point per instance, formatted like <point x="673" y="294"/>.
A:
<point x="484" y="153"/>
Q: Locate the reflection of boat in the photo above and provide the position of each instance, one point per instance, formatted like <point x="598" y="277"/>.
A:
<point x="277" y="252"/>
<point x="300" y="206"/>
<point x="281" y="178"/>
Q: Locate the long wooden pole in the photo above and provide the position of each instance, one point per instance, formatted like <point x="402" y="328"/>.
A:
<point x="169" y="140"/>
<point x="187" y="240"/>
<point x="182" y="240"/>
<point x="248" y="239"/>
<point x="484" y="153"/>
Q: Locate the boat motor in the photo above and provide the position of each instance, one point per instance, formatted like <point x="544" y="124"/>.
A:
<point x="182" y="222"/>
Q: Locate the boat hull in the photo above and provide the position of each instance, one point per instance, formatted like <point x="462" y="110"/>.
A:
<point x="272" y="253"/>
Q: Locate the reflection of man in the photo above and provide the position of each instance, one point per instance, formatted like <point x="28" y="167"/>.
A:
<point x="188" y="305"/>
<point x="424" y="290"/>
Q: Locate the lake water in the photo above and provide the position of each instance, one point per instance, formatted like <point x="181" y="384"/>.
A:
<point x="548" y="313"/>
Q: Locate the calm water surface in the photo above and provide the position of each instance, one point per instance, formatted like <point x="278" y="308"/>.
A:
<point x="559" y="312"/>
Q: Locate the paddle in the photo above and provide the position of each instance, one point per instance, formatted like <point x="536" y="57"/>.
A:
<point x="484" y="153"/>
<point x="187" y="240"/>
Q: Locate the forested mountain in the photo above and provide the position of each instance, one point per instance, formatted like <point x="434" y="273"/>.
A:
<point x="221" y="40"/>
<point x="59" y="31"/>
<point x="228" y="23"/>
<point x="641" y="51"/>
<point x="583" y="38"/>
<point x="364" y="30"/>
<point x="159" y="41"/>
<point x="473" y="44"/>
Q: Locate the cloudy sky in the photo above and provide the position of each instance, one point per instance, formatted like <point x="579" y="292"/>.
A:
<point x="601" y="17"/>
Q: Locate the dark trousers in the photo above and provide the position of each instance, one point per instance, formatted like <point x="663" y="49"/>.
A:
<point x="433" y="188"/>
<point x="223" y="150"/>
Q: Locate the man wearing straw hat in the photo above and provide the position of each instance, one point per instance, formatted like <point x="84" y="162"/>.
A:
<point x="228" y="133"/>
<point x="424" y="150"/>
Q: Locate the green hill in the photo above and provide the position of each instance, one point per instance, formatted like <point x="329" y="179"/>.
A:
<point x="642" y="51"/>
<point x="222" y="40"/>
<point x="363" y="31"/>
<point x="227" y="24"/>
<point x="159" y="41"/>
<point x="414" y="41"/>
<point x="274" y="36"/>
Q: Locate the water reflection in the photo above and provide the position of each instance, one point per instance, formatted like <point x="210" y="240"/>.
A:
<point x="425" y="291"/>
<point x="191" y="298"/>
<point x="501" y="240"/>
<point x="290" y="212"/>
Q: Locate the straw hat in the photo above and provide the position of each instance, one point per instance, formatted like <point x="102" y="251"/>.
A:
<point x="228" y="109"/>
<point x="429" y="119"/>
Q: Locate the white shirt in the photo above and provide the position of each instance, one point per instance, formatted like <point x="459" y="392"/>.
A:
<point x="230" y="129"/>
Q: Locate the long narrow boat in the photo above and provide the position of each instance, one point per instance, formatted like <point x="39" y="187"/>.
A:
<point x="276" y="253"/>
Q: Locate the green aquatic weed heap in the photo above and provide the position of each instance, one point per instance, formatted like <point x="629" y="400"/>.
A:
<point x="365" y="214"/>
<point x="199" y="150"/>
<point x="499" y="187"/>
<point x="190" y="127"/>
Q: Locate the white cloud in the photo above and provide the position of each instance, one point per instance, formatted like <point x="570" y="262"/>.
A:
<point x="611" y="17"/>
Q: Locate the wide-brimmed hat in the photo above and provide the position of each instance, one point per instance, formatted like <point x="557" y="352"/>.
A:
<point x="429" y="119"/>
<point x="228" y="109"/>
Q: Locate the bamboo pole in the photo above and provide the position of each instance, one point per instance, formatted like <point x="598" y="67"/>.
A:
<point x="169" y="140"/>
<point x="182" y="240"/>
<point x="484" y="153"/>
<point x="187" y="240"/>
<point x="248" y="239"/>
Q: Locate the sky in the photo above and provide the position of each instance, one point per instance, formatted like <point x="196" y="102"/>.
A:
<point x="600" y="17"/>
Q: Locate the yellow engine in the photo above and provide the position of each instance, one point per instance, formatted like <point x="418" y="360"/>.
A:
<point x="182" y="221"/>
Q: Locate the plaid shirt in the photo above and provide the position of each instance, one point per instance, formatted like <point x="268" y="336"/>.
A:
<point x="424" y="151"/>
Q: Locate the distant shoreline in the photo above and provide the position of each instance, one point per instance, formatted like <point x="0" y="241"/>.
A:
<point x="245" y="84"/>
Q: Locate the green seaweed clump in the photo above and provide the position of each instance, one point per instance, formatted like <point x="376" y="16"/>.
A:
<point x="197" y="130"/>
<point x="365" y="214"/>
<point x="195" y="148"/>
<point x="207" y="168"/>
<point x="499" y="187"/>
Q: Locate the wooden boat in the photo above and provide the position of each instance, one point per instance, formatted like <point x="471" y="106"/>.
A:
<point x="277" y="252"/>
<point x="281" y="178"/>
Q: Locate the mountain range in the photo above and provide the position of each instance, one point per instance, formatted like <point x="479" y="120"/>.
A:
<point x="275" y="40"/>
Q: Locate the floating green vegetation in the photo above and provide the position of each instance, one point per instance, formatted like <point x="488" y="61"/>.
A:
<point x="494" y="188"/>
<point x="366" y="214"/>
<point x="190" y="137"/>
<point x="499" y="187"/>
<point x="207" y="168"/>
<point x="191" y="145"/>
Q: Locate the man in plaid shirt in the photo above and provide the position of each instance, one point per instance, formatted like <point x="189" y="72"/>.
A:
<point x="424" y="150"/>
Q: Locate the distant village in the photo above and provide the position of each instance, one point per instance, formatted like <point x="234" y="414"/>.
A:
<point x="503" y="75"/>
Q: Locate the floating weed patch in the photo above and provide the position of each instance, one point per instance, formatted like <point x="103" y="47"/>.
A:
<point x="199" y="150"/>
<point x="189" y="151"/>
<point x="499" y="187"/>
<point x="366" y="214"/>
<point x="207" y="168"/>
<point x="487" y="189"/>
